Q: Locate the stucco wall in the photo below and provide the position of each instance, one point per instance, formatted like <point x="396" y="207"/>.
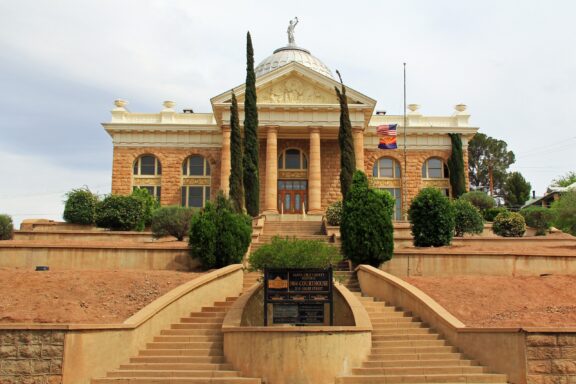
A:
<point x="31" y="356"/>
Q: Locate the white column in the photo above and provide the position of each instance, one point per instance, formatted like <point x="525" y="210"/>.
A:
<point x="315" y="173"/>
<point x="358" y="134"/>
<point x="271" y="186"/>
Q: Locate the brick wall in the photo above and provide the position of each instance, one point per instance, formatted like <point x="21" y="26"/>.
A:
<point x="171" y="160"/>
<point x="551" y="358"/>
<point x="31" y="356"/>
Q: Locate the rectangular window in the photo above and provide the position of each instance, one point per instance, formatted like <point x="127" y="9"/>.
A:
<point x="196" y="166"/>
<point x="195" y="197"/>
<point x="397" y="195"/>
<point x="147" y="165"/>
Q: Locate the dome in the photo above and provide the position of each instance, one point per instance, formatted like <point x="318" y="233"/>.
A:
<point x="288" y="54"/>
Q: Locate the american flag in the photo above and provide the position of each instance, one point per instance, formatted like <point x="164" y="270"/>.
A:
<point x="386" y="130"/>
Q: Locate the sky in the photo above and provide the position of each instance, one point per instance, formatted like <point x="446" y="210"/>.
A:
<point x="64" y="62"/>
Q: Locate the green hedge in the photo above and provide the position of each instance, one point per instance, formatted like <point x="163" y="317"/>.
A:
<point x="366" y="229"/>
<point x="120" y="213"/>
<point x="479" y="199"/>
<point x="6" y="227"/>
<point x="538" y="217"/>
<point x="293" y="253"/>
<point x="467" y="218"/>
<point x="565" y="212"/>
<point x="171" y="221"/>
<point x="218" y="235"/>
<point x="509" y="224"/>
<point x="80" y="206"/>
<point x="431" y="218"/>
<point x="491" y="213"/>
<point x="149" y="205"/>
<point x="334" y="213"/>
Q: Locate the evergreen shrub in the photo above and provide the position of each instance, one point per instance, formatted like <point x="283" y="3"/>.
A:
<point x="491" y="213"/>
<point x="366" y="227"/>
<point x="80" y="206"/>
<point x="538" y="217"/>
<point x="218" y="235"/>
<point x="149" y="205"/>
<point x="6" y="227"/>
<point x="467" y="218"/>
<point x="565" y="212"/>
<point x="119" y="213"/>
<point x="431" y="218"/>
<point x="334" y="213"/>
<point x="293" y="253"/>
<point x="479" y="199"/>
<point x="171" y="221"/>
<point x="509" y="224"/>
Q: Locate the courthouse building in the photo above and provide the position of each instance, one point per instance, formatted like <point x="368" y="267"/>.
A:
<point x="183" y="158"/>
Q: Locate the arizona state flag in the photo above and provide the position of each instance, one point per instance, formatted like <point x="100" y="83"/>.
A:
<point x="387" y="135"/>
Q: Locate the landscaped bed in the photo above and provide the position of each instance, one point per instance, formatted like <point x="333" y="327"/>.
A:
<point x="501" y="301"/>
<point x="67" y="296"/>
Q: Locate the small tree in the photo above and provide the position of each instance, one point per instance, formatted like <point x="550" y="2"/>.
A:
<point x="566" y="180"/>
<point x="491" y="213"/>
<point x="171" y="221"/>
<point x="467" y="218"/>
<point x="346" y="142"/>
<point x="431" y="218"/>
<point x="456" y="166"/>
<point x="509" y="224"/>
<point x="334" y="213"/>
<point x="479" y="199"/>
<point x="120" y="213"/>
<point x="149" y="205"/>
<point x="538" y="217"/>
<point x="516" y="190"/>
<point x="80" y="207"/>
<point x="366" y="227"/>
<point x="565" y="212"/>
<point x="251" y="178"/>
<point x="218" y="235"/>
<point x="236" y="159"/>
<point x="6" y="227"/>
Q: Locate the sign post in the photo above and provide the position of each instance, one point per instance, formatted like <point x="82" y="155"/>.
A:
<point x="298" y="296"/>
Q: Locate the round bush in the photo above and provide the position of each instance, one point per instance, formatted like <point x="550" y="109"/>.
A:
<point x="565" y="212"/>
<point x="119" y="213"/>
<point x="491" y="213"/>
<point x="218" y="235"/>
<point x="6" y="227"/>
<point x="538" y="217"/>
<point x="293" y="253"/>
<point x="80" y="207"/>
<point x="509" y="224"/>
<point x="334" y="213"/>
<point x="366" y="228"/>
<point x="467" y="218"/>
<point x="149" y="204"/>
<point x="479" y="199"/>
<point x="171" y="221"/>
<point x="431" y="218"/>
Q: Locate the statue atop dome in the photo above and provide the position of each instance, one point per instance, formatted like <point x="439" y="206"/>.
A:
<point x="291" y="31"/>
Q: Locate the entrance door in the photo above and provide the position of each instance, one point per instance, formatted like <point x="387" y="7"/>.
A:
<point x="292" y="196"/>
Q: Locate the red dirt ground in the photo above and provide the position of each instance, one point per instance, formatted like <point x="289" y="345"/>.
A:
<point x="501" y="301"/>
<point x="81" y="296"/>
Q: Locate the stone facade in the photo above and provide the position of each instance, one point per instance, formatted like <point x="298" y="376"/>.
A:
<point x="551" y="358"/>
<point x="31" y="356"/>
<point x="171" y="178"/>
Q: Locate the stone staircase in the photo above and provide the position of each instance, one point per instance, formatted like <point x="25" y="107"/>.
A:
<point x="404" y="350"/>
<point x="190" y="352"/>
<point x="302" y="230"/>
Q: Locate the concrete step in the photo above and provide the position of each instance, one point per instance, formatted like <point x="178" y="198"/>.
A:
<point x="204" y="320"/>
<point x="212" y="315"/>
<point x="196" y="326"/>
<point x="190" y="332"/>
<point x="414" y="356"/>
<point x="402" y="350"/>
<point x="177" y="380"/>
<point x="172" y="373"/>
<point x="184" y="345"/>
<point x="456" y="378"/>
<point x="188" y="339"/>
<point x="206" y="352"/>
<point x="429" y="336"/>
<point x="439" y="370"/>
<point x="177" y="366"/>
<point x="407" y="343"/>
<point x="418" y="363"/>
<point x="178" y="359"/>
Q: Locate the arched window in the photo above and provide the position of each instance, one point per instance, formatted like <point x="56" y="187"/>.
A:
<point x="196" y="181"/>
<point x="147" y="165"/>
<point x="146" y="174"/>
<point x="196" y="165"/>
<point x="386" y="167"/>
<point x="434" y="168"/>
<point x="292" y="159"/>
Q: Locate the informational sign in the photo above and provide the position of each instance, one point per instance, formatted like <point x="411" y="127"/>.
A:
<point x="298" y="295"/>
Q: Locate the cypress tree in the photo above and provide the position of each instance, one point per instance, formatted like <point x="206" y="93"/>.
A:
<point x="456" y="166"/>
<point x="236" y="183"/>
<point x="251" y="182"/>
<point x="346" y="142"/>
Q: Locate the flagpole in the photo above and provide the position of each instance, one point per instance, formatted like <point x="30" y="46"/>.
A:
<point x="404" y="187"/>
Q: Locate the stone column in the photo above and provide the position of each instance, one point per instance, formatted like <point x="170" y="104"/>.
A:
<point x="314" y="173"/>
<point x="358" y="134"/>
<point x="225" y="161"/>
<point x="271" y="185"/>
